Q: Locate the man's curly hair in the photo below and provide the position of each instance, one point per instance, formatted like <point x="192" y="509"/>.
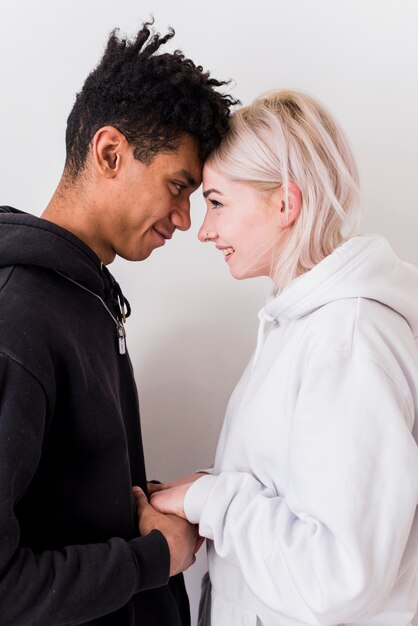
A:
<point x="152" y="99"/>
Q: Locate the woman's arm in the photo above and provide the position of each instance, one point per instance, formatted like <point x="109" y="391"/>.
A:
<point x="329" y="549"/>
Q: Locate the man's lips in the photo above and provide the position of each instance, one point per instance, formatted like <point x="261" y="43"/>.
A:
<point x="163" y="234"/>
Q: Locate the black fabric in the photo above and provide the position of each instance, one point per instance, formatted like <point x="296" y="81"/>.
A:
<point x="205" y="603"/>
<point x="70" y="445"/>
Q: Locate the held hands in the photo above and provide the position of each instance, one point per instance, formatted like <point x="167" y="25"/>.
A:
<point x="169" y="497"/>
<point x="182" y="537"/>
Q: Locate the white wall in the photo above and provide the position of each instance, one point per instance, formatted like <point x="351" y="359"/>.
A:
<point x="193" y="327"/>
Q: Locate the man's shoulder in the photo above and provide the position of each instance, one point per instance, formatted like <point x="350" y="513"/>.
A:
<point x="27" y="285"/>
<point x="5" y="274"/>
<point x="38" y="306"/>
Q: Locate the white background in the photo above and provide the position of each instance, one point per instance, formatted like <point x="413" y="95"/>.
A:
<point x="193" y="327"/>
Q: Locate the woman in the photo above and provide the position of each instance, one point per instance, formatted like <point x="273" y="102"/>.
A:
<point x="310" y="508"/>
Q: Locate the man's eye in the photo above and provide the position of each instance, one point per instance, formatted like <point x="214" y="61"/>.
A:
<point x="179" y="187"/>
<point x="215" y="204"/>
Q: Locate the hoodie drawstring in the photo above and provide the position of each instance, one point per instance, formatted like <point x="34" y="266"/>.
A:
<point x="120" y="328"/>
<point x="122" y="304"/>
<point x="261" y="335"/>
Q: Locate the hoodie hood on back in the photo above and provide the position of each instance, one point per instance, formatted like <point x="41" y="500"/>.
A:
<point x="363" y="267"/>
<point x="29" y="240"/>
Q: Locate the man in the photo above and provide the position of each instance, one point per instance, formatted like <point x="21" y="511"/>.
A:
<point x="70" y="442"/>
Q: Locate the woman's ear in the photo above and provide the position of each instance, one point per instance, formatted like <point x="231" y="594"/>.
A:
<point x="289" y="208"/>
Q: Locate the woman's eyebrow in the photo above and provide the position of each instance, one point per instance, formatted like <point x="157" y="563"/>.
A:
<point x="209" y="191"/>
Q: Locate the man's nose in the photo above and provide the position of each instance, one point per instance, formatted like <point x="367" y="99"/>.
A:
<point x="180" y="216"/>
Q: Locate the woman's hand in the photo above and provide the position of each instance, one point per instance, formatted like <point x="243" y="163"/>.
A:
<point x="169" y="497"/>
<point x="154" y="487"/>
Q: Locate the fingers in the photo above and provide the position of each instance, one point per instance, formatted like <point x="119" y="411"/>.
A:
<point x="155" y="502"/>
<point x="163" y="503"/>
<point x="171" y="500"/>
<point x="140" y="498"/>
<point x="154" y="487"/>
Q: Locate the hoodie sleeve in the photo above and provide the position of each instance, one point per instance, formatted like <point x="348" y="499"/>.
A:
<point x="77" y="583"/>
<point x="329" y="550"/>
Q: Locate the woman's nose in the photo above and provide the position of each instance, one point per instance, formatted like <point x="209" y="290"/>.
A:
<point x="205" y="234"/>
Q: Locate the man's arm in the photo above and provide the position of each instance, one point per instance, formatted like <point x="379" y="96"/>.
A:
<point x="77" y="583"/>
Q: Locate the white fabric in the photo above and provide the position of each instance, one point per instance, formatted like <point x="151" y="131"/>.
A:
<point x="311" y="507"/>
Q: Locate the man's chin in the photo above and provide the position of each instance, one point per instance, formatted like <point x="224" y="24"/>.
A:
<point x="136" y="256"/>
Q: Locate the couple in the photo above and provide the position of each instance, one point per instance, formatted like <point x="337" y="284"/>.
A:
<point x="309" y="508"/>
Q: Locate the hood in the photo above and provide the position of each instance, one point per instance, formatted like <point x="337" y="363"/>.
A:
<point x="362" y="267"/>
<point x="29" y="240"/>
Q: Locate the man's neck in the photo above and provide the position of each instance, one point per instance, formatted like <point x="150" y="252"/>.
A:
<point x="71" y="208"/>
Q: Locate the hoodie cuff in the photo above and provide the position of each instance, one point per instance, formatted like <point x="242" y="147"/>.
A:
<point x="196" y="497"/>
<point x="152" y="557"/>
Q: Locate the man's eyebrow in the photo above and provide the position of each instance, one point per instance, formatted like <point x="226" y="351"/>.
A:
<point x="187" y="175"/>
<point x="209" y="191"/>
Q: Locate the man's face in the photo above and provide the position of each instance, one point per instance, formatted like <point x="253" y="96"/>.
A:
<point x="150" y="201"/>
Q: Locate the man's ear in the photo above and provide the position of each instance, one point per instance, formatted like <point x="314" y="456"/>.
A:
<point x="288" y="208"/>
<point x="107" y="147"/>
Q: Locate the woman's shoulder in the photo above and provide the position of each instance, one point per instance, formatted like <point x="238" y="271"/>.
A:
<point x="357" y="322"/>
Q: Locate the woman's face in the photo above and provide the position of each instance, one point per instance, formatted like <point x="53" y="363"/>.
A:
<point x="243" y="223"/>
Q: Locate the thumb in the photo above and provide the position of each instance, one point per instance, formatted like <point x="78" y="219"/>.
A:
<point x="140" y="498"/>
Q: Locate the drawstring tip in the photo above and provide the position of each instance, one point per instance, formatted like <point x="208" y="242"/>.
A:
<point x="122" y="338"/>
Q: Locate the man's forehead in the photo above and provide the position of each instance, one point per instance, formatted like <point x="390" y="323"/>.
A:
<point x="188" y="170"/>
<point x="191" y="178"/>
<point x="183" y="162"/>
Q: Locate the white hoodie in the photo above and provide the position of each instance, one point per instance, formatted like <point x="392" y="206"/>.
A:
<point x="311" y="507"/>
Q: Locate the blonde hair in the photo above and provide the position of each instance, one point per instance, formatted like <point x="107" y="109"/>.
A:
<point x="286" y="136"/>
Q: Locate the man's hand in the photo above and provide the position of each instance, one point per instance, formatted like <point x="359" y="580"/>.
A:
<point x="182" y="537"/>
<point x="153" y="487"/>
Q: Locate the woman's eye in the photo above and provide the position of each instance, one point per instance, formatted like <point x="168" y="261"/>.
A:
<point x="215" y="204"/>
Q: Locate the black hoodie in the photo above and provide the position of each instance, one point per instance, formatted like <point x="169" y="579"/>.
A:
<point x="70" y="444"/>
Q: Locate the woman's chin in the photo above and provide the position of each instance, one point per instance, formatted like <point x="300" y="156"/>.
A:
<point x="242" y="274"/>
